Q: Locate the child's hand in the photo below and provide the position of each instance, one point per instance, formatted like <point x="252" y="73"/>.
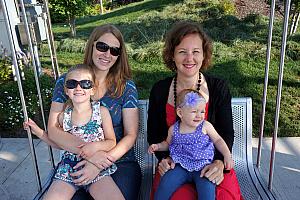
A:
<point x="228" y="163"/>
<point x="35" y="129"/>
<point x="152" y="148"/>
<point x="87" y="150"/>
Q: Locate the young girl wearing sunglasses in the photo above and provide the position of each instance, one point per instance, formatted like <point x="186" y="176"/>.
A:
<point x="90" y="122"/>
<point x="106" y="55"/>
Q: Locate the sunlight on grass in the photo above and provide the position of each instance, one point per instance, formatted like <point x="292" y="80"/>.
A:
<point x="239" y="52"/>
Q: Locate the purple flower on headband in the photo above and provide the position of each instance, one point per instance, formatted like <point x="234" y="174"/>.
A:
<point x="192" y="99"/>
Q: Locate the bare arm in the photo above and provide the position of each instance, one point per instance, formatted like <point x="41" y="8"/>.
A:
<point x="40" y="133"/>
<point x="217" y="140"/>
<point x="63" y="139"/>
<point x="108" y="129"/>
<point x="130" y="118"/>
<point x="164" y="145"/>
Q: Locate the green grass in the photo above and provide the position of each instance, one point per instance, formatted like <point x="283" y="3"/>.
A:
<point x="239" y="52"/>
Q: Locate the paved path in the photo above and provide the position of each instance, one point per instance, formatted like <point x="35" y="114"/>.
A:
<point x="18" y="182"/>
<point x="286" y="179"/>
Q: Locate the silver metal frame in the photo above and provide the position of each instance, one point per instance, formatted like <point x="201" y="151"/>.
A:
<point x="19" y="81"/>
<point x="36" y="64"/>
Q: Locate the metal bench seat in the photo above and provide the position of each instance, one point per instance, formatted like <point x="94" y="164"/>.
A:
<point x="251" y="183"/>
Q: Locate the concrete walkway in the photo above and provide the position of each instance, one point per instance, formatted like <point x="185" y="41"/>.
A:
<point x="18" y="181"/>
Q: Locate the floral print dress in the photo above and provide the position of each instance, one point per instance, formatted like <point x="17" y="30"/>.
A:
<point x="90" y="132"/>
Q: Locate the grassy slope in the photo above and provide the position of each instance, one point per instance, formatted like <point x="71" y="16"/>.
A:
<point x="239" y="52"/>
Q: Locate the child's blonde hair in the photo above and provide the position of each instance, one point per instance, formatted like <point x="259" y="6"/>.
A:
<point x="82" y="68"/>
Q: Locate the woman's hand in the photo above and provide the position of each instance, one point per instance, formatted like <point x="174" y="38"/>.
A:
<point x="165" y="165"/>
<point x="102" y="159"/>
<point x="86" y="174"/>
<point x="214" y="172"/>
<point x="87" y="150"/>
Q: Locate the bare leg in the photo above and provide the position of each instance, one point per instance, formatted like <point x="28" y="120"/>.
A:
<point x="60" y="190"/>
<point x="105" y="188"/>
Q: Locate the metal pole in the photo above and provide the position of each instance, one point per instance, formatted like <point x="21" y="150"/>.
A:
<point x="278" y="96"/>
<point x="264" y="99"/>
<point x="15" y="64"/>
<point x="35" y="68"/>
<point x="49" y="28"/>
<point x="44" y="17"/>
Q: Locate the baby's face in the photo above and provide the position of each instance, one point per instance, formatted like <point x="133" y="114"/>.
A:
<point x="192" y="115"/>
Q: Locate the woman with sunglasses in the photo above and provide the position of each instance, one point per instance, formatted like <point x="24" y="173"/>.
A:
<point x="106" y="54"/>
<point x="91" y="123"/>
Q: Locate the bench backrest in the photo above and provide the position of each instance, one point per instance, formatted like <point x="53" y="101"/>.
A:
<point x="242" y="148"/>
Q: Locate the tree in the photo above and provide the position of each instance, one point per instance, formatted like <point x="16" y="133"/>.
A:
<point x="295" y="16"/>
<point x="70" y="9"/>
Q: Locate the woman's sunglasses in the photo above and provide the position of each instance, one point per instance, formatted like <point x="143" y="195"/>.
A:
<point x="103" y="47"/>
<point x="84" y="84"/>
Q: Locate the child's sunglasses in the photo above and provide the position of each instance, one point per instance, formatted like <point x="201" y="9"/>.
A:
<point x="84" y="84"/>
<point x="103" y="47"/>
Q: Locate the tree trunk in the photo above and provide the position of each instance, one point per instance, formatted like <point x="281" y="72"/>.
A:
<point x="101" y="7"/>
<point x="293" y="22"/>
<point x="296" y="23"/>
<point x="72" y="20"/>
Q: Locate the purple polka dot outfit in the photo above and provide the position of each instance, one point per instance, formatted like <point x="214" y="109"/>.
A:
<point x="192" y="151"/>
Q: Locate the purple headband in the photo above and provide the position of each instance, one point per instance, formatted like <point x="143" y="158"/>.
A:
<point x="191" y="99"/>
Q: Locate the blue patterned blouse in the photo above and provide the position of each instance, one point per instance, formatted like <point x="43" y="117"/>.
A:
<point x="129" y="99"/>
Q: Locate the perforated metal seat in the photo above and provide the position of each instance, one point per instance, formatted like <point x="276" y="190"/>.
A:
<point x="251" y="183"/>
<point x="141" y="152"/>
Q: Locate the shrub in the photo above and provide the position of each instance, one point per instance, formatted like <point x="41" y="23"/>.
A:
<point x="5" y="64"/>
<point x="149" y="52"/>
<point x="227" y="6"/>
<point x="293" y="50"/>
<point x="71" y="45"/>
<point x="5" y="70"/>
<point x="11" y="115"/>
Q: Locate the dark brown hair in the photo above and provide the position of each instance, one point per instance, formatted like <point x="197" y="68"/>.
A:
<point x="120" y="71"/>
<point x="175" y="36"/>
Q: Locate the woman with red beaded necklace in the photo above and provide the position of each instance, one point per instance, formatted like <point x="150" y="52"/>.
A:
<point x="188" y="52"/>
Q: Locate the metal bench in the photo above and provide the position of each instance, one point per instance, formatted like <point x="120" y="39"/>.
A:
<point x="252" y="185"/>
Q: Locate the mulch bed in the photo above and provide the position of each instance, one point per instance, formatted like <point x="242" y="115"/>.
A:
<point x="246" y="7"/>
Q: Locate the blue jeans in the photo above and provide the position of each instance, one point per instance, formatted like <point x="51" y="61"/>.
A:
<point x="128" y="179"/>
<point x="178" y="176"/>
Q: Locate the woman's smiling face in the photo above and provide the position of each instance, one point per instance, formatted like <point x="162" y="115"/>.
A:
<point x="188" y="55"/>
<point x="103" y="61"/>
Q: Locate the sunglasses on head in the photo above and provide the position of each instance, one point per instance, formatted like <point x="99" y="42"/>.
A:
<point x="103" y="47"/>
<point x="84" y="84"/>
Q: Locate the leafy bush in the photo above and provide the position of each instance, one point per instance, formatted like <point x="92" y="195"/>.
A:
<point x="293" y="50"/>
<point x="149" y="52"/>
<point x="227" y="7"/>
<point x="5" y="70"/>
<point x="71" y="45"/>
<point x="11" y="114"/>
<point x="5" y="64"/>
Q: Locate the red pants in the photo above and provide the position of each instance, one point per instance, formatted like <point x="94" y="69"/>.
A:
<point x="229" y="189"/>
